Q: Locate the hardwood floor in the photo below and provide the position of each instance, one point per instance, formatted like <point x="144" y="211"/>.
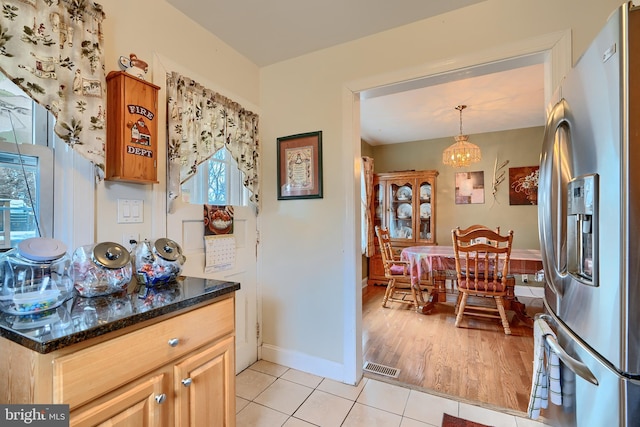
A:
<point x="476" y="362"/>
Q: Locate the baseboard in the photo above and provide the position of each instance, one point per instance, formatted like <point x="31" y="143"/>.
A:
<point x="303" y="362"/>
<point x="365" y="282"/>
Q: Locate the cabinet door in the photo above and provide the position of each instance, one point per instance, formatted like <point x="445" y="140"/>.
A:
<point x="426" y="211"/>
<point x="401" y="209"/>
<point x="144" y="404"/>
<point x="205" y="387"/>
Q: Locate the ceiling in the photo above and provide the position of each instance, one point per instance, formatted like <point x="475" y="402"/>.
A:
<point x="507" y="99"/>
<point x="509" y="95"/>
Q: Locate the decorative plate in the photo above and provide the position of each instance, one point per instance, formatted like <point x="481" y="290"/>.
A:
<point x="404" y="211"/>
<point x="404" y="193"/>
<point x="425" y="210"/>
<point x="425" y="191"/>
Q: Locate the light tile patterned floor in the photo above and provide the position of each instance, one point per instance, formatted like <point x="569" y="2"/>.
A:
<point x="269" y="395"/>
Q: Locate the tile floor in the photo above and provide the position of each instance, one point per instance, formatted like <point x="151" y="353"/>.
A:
<point x="269" y="395"/>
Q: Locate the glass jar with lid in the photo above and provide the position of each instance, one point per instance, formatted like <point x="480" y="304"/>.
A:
<point x="158" y="263"/>
<point x="101" y="269"/>
<point x="35" y="276"/>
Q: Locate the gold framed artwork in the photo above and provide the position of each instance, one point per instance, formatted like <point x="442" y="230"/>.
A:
<point x="300" y="166"/>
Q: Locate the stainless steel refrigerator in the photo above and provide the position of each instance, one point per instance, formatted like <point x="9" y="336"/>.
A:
<point x="589" y="224"/>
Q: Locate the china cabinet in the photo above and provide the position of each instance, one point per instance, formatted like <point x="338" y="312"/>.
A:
<point x="405" y="203"/>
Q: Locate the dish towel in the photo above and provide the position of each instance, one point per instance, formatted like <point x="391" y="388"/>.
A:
<point x="546" y="371"/>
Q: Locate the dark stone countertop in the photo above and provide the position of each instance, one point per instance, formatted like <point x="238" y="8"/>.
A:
<point x="79" y="318"/>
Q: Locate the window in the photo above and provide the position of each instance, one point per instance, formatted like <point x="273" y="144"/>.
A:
<point x="26" y="168"/>
<point x="217" y="182"/>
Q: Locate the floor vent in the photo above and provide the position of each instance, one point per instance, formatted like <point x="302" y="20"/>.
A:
<point x="381" y="370"/>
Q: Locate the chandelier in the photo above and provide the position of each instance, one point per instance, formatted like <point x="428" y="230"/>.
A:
<point x="463" y="152"/>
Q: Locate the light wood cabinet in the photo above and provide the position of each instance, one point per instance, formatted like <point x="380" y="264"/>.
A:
<point x="132" y="129"/>
<point x="135" y="405"/>
<point x="173" y="372"/>
<point x="405" y="203"/>
<point x="205" y="387"/>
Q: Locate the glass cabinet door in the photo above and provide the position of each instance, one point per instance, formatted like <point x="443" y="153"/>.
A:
<point x="401" y="210"/>
<point x="425" y="211"/>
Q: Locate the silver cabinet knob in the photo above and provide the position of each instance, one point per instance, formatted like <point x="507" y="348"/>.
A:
<point x="161" y="398"/>
<point x="186" y="382"/>
<point x="174" y="342"/>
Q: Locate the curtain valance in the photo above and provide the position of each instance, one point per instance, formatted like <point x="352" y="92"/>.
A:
<point x="53" y="50"/>
<point x="200" y="122"/>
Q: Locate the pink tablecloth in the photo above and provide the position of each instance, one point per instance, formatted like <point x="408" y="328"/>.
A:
<point x="427" y="259"/>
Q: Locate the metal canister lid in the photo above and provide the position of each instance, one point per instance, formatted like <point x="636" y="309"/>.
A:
<point x="168" y="249"/>
<point x="111" y="255"/>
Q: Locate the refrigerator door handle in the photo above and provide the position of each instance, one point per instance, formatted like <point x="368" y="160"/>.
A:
<point x="555" y="172"/>
<point x="576" y="366"/>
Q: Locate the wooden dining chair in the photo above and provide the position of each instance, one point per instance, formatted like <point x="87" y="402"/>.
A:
<point x="399" y="288"/>
<point x="463" y="231"/>
<point x="482" y="270"/>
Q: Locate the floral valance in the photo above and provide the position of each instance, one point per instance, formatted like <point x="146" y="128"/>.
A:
<point x="53" y="50"/>
<point x="200" y="122"/>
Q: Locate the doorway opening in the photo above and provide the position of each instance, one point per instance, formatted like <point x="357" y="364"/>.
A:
<point x="554" y="52"/>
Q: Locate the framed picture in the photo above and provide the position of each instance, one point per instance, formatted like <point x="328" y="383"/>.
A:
<point x="523" y="185"/>
<point x="218" y="220"/>
<point x="300" y="166"/>
<point x="469" y="187"/>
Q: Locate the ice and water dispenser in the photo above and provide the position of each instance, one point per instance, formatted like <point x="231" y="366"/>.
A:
<point x="582" y="228"/>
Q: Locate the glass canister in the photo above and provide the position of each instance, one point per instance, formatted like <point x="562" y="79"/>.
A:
<point x="35" y="276"/>
<point x="158" y="263"/>
<point x="101" y="269"/>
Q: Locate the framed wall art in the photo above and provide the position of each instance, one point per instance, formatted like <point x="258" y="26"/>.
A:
<point x="300" y="166"/>
<point x="469" y="187"/>
<point x="523" y="185"/>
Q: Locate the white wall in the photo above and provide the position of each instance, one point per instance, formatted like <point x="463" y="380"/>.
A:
<point x="310" y="265"/>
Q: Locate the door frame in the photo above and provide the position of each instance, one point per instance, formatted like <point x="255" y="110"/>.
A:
<point x="555" y="52"/>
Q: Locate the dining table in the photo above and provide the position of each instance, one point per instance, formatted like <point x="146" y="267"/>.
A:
<point x="437" y="263"/>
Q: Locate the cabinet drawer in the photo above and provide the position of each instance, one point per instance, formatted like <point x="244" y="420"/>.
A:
<point x="90" y="372"/>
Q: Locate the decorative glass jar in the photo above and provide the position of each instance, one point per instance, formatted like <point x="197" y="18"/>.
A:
<point x="101" y="269"/>
<point x="35" y="276"/>
<point x="157" y="264"/>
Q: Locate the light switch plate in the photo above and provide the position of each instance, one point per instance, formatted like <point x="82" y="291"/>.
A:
<point x="130" y="211"/>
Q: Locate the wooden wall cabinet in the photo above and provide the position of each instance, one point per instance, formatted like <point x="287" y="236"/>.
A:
<point x="176" y="372"/>
<point x="132" y="129"/>
<point x="405" y="203"/>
